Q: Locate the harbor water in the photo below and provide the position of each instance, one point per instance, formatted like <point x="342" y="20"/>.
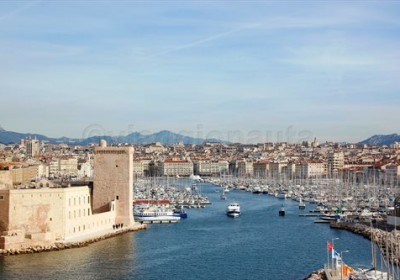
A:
<point x="259" y="244"/>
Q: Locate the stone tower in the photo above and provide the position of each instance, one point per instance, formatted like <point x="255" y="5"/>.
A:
<point x="113" y="180"/>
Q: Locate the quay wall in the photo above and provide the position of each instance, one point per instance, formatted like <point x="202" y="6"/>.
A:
<point x="69" y="245"/>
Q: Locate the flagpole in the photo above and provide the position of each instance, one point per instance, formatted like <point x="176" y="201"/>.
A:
<point x="327" y="252"/>
<point x="333" y="248"/>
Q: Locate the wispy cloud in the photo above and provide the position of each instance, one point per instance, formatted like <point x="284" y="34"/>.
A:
<point x="24" y="6"/>
<point x="237" y="66"/>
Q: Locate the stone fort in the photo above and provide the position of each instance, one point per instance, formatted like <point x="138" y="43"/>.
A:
<point x="46" y="214"/>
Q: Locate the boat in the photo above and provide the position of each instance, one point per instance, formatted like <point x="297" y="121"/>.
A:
<point x="281" y="195"/>
<point x="302" y="205"/>
<point x="233" y="210"/>
<point x="223" y="196"/>
<point x="370" y="274"/>
<point x="154" y="214"/>
<point x="179" y="211"/>
<point x="282" y="211"/>
<point x="257" y="190"/>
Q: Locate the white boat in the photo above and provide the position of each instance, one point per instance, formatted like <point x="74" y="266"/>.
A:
<point x="281" y="195"/>
<point x="154" y="214"/>
<point x="370" y="275"/>
<point x="302" y="205"/>
<point x="233" y="210"/>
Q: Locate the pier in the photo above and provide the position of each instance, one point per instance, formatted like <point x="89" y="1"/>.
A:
<point x="310" y="215"/>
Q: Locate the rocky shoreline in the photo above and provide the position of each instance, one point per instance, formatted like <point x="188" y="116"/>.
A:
<point x="388" y="241"/>
<point x="317" y="275"/>
<point x="67" y="245"/>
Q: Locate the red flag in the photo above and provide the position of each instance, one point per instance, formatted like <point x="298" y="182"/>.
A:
<point x="330" y="246"/>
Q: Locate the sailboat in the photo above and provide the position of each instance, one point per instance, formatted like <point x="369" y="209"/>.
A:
<point x="223" y="196"/>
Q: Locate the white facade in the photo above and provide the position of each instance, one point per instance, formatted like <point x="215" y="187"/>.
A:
<point x="245" y="167"/>
<point x="85" y="170"/>
<point x="211" y="167"/>
<point x="177" y="167"/>
<point x="310" y="169"/>
<point x="335" y="162"/>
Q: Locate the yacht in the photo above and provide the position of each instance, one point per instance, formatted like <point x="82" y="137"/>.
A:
<point x="302" y="205"/>
<point x="281" y="195"/>
<point x="233" y="210"/>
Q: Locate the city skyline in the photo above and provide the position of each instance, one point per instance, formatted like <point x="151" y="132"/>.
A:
<point x="326" y="69"/>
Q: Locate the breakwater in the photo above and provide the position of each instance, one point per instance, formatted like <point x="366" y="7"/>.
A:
<point x="317" y="275"/>
<point x="68" y="245"/>
<point x="388" y="242"/>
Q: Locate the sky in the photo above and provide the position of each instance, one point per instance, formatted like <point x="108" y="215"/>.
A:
<point x="247" y="71"/>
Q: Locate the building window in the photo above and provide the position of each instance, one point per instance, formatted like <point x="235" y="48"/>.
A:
<point x="117" y="197"/>
<point x="1" y="197"/>
<point x="51" y="219"/>
<point x="88" y="212"/>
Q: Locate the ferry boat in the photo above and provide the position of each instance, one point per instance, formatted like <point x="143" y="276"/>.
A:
<point x="154" y="214"/>
<point x="180" y="211"/>
<point x="233" y="210"/>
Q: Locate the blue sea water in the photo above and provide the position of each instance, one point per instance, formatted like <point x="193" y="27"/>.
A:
<point x="208" y="245"/>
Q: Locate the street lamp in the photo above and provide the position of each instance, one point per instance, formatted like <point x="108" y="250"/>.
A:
<point x="341" y="266"/>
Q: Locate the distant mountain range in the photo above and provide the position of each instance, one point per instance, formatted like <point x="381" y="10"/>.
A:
<point x="381" y="140"/>
<point x="165" y="137"/>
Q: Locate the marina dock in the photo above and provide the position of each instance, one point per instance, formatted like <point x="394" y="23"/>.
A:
<point x="310" y="215"/>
